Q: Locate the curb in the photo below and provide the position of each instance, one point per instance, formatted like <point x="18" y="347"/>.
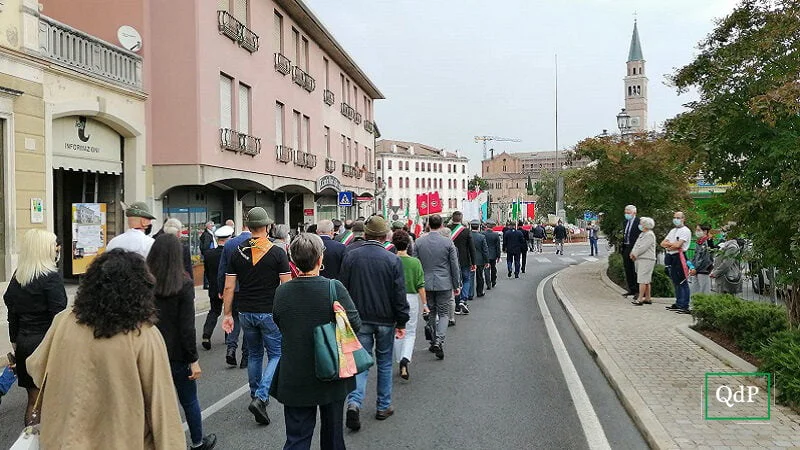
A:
<point x="716" y="350"/>
<point x="644" y="418"/>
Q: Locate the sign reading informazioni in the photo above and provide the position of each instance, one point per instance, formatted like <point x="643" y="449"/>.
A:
<point x="734" y="396"/>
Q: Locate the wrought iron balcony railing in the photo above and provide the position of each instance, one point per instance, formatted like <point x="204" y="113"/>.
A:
<point x="284" y="154"/>
<point x="357" y="118"/>
<point x="359" y="173"/>
<point x="237" y="31"/>
<point x="369" y="176"/>
<point x="282" y="64"/>
<point x="228" y="139"/>
<point x="298" y="76"/>
<point x="330" y="165"/>
<point x="369" y="126"/>
<point x="328" y="97"/>
<point x="309" y="83"/>
<point x="311" y="160"/>
<point x="348" y="111"/>
<point x="348" y="170"/>
<point x="249" y="145"/>
<point x="239" y="142"/>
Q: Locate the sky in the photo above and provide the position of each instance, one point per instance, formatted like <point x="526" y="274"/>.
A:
<point x="454" y="69"/>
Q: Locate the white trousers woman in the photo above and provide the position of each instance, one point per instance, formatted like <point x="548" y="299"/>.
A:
<point x="403" y="348"/>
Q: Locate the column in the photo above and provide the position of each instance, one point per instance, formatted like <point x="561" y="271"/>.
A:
<point x="309" y="203"/>
<point x="238" y="216"/>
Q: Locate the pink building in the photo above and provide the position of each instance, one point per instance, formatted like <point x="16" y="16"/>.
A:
<point x="256" y="104"/>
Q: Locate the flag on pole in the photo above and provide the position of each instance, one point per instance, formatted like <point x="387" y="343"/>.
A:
<point x="515" y="210"/>
<point x="423" y="205"/>
<point x="435" y="205"/>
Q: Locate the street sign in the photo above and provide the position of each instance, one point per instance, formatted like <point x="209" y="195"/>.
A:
<point x="308" y="212"/>
<point x="345" y="199"/>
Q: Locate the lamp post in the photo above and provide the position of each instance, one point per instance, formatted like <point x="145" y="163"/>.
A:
<point x="624" y="122"/>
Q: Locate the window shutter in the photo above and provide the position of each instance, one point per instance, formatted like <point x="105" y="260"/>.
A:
<point x="306" y="131"/>
<point x="278" y="124"/>
<point x="277" y="31"/>
<point x="240" y="11"/>
<point x="225" y="101"/>
<point x="244" y="109"/>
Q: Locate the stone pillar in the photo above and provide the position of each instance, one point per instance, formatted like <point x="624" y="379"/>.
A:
<point x="309" y="203"/>
<point x="286" y="215"/>
<point x="238" y="216"/>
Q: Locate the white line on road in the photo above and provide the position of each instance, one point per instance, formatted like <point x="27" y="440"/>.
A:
<point x="568" y="260"/>
<point x="227" y="400"/>
<point x="542" y="259"/>
<point x="592" y="429"/>
<point x="590" y="258"/>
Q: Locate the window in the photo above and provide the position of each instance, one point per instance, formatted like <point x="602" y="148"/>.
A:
<point x="306" y="134"/>
<point x="449" y="184"/>
<point x="355" y="152"/>
<point x="225" y="101"/>
<point x="440" y="167"/>
<point x="435" y="169"/>
<point x="389" y="164"/>
<point x="463" y="168"/>
<point x="244" y="109"/>
<point x="355" y="97"/>
<point x="278" y="123"/>
<point x="400" y="182"/>
<point x="379" y="164"/>
<point x="349" y="151"/>
<point x="327" y="142"/>
<point x="429" y="167"/>
<point x="464" y="184"/>
<point x="408" y="185"/>
<point x="406" y="165"/>
<point x="423" y="167"/>
<point x="390" y="185"/>
<point x="240" y="10"/>
<point x="304" y="63"/>
<point x="277" y="33"/>
<point x="449" y="168"/>
<point x="416" y="182"/>
<point x="344" y="87"/>
<point x="297" y="131"/>
<point x="344" y="150"/>
<point x="326" y="63"/>
<point x="401" y="202"/>
<point x="416" y="166"/>
<point x="347" y="91"/>
<point x="296" y="45"/>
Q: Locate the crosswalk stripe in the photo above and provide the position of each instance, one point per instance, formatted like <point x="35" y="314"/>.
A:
<point x="568" y="260"/>
<point x="590" y="258"/>
<point x="542" y="259"/>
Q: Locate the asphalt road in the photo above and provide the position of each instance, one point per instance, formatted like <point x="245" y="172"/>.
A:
<point x="500" y="386"/>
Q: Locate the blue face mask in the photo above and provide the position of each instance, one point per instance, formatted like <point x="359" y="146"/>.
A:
<point x="677" y="222"/>
<point x="628" y="216"/>
<point x="641" y="228"/>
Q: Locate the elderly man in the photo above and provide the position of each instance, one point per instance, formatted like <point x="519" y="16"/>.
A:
<point x="376" y="282"/>
<point x="334" y="251"/>
<point x="347" y="236"/>
<point x="676" y="244"/>
<point x="357" y="239"/>
<point x="462" y="238"/>
<point x="211" y="266"/>
<point x="493" y="245"/>
<point x="481" y="257"/>
<point x="135" y="239"/>
<point x="207" y="239"/>
<point x="630" y="232"/>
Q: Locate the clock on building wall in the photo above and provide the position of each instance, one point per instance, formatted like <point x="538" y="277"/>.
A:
<point x="635" y="122"/>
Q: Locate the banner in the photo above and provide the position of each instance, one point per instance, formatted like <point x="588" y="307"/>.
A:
<point x="435" y="206"/>
<point x="531" y="213"/>
<point x="88" y="234"/>
<point x="423" y="205"/>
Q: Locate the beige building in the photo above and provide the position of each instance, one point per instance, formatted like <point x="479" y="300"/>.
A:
<point x="636" y="85"/>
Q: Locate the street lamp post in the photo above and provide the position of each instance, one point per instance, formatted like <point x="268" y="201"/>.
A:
<point x="624" y="122"/>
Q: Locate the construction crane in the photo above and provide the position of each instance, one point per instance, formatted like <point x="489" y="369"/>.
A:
<point x="493" y="138"/>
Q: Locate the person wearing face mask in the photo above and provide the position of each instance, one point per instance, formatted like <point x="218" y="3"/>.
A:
<point x="643" y="255"/>
<point x="676" y="244"/>
<point x="630" y="233"/>
<point x="703" y="260"/>
<point x="136" y="239"/>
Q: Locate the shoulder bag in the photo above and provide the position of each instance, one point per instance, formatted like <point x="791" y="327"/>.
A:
<point x="29" y="438"/>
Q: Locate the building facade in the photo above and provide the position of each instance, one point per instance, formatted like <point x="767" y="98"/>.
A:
<point x="635" y="82"/>
<point x="260" y="106"/>
<point x="406" y="169"/>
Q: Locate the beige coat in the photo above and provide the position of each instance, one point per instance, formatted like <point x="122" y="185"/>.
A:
<point x="645" y="246"/>
<point x="105" y="393"/>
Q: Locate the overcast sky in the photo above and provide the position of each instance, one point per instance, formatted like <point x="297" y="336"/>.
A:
<point x="454" y="69"/>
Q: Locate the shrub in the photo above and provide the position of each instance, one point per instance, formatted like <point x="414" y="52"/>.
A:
<point x="781" y="357"/>
<point x="616" y="271"/>
<point x="661" y="285"/>
<point x="706" y="309"/>
<point x="750" y="324"/>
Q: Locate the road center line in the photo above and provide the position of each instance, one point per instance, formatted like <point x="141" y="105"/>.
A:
<point x="592" y="429"/>
<point x="225" y="401"/>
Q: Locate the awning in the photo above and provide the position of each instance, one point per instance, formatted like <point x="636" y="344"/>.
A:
<point x="87" y="165"/>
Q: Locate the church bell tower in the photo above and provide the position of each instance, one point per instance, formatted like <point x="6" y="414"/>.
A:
<point x="636" y="85"/>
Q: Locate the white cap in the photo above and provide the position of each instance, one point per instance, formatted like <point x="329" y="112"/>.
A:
<point x="224" y="232"/>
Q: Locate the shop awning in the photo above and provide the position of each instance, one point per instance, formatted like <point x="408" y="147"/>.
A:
<point x="87" y="165"/>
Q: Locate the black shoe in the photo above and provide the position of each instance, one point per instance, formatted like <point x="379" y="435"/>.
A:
<point x="523" y="270"/>
<point x="259" y="409"/>
<point x="481" y="295"/>
<point x="404" y="368"/>
<point x="509" y="274"/>
<point x="683" y="311"/>
<point x="627" y="294"/>
<point x="516" y="275"/>
<point x="457" y="310"/>
<point x="428" y="333"/>
<point x="494" y="283"/>
<point x="432" y="348"/>
<point x="451" y="323"/>
<point x="206" y="343"/>
<point x="243" y="363"/>
<point x="464" y="309"/>
<point x="635" y="297"/>
<point x="353" y="420"/>
<point x="673" y="307"/>
<point x="439" y="352"/>
<point x="209" y="442"/>
<point x="230" y="357"/>
<point x="384" y="414"/>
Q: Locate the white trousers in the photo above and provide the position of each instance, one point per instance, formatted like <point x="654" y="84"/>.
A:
<point x="404" y="348"/>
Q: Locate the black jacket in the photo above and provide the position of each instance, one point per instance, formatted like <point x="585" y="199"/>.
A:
<point x="176" y="323"/>
<point x="211" y="267"/>
<point x="481" y="249"/>
<point x="634" y="232"/>
<point x="31" y="308"/>
<point x="493" y="243"/>
<point x="206" y="238"/>
<point x="539" y="232"/>
<point x="187" y="260"/>
<point x="465" y="248"/>
<point x="332" y="258"/>
<point x="376" y="282"/>
<point x="560" y="232"/>
<point x="514" y="242"/>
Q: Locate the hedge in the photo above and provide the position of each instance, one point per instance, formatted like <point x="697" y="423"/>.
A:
<point x="661" y="285"/>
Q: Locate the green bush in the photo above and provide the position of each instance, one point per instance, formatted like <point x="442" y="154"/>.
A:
<point x="781" y="357"/>
<point x="750" y="324"/>
<point x="661" y="285"/>
<point x="706" y="309"/>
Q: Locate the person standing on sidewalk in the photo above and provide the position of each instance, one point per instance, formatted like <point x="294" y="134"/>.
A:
<point x="493" y="245"/>
<point x="676" y="244"/>
<point x="593" y="230"/>
<point x="481" y="257"/>
<point x="415" y="295"/>
<point x="630" y="232"/>
<point x="703" y="260"/>
<point x="439" y="259"/>
<point x="232" y="338"/>
<point x="462" y="239"/>
<point x="211" y="267"/>
<point x="514" y="243"/>
<point x="643" y="255"/>
<point x="259" y="267"/>
<point x="376" y="282"/>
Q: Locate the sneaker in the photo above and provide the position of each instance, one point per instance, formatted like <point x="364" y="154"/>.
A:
<point x="230" y="357"/>
<point x="673" y="307"/>
<point x="209" y="442"/>
<point x="516" y="275"/>
<point x="259" y="409"/>
<point x="243" y="364"/>
<point x="206" y="343"/>
<point x="384" y="414"/>
<point x="458" y="309"/>
<point x="451" y="323"/>
<point x="683" y="311"/>
<point x="464" y="309"/>
<point x="509" y="274"/>
<point x="353" y="418"/>
<point x="439" y="352"/>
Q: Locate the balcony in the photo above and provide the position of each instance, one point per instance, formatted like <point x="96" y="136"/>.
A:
<point x="249" y="145"/>
<point x="348" y="111"/>
<point x="88" y="55"/>
<point x="330" y="165"/>
<point x="298" y="76"/>
<point x="328" y="97"/>
<point x="359" y="173"/>
<point x="237" y="31"/>
<point x="348" y="170"/>
<point x="310" y="83"/>
<point x="235" y="141"/>
<point x="369" y="176"/>
<point x="357" y="118"/>
<point x="305" y="159"/>
<point x="284" y="154"/>
<point x="369" y="126"/>
<point x="228" y="139"/>
<point x="282" y="64"/>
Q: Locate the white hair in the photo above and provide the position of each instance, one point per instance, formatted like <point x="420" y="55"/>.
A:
<point x="281" y="231"/>
<point x="325" y="227"/>
<point x="647" y="222"/>
<point x="631" y="208"/>
<point x="173" y="227"/>
<point x="37" y="256"/>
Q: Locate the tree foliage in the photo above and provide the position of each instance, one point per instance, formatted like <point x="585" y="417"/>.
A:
<point x="746" y="126"/>
<point x="545" y="190"/>
<point x="643" y="170"/>
<point x="478" y="182"/>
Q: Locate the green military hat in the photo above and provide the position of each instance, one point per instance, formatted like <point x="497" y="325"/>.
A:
<point x="257" y="218"/>
<point x="139" y="209"/>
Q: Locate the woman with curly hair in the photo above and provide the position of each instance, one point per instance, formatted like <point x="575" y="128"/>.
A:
<point x="34" y="296"/>
<point x="108" y="381"/>
<point x="175" y="310"/>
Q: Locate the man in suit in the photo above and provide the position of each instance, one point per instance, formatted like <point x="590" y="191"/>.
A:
<point x="481" y="256"/>
<point x="207" y="238"/>
<point x="211" y="266"/>
<point x="630" y="232"/>
<point x="493" y="245"/>
<point x="514" y="243"/>
<point x="462" y="239"/>
<point x="334" y="251"/>
<point x="346" y="237"/>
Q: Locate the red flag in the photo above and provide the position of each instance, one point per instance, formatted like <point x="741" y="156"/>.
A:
<point x="531" y="211"/>
<point x="472" y="195"/>
<point x="435" y="203"/>
<point x="422" y="204"/>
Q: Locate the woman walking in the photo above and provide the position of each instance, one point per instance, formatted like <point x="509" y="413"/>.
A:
<point x="300" y="305"/>
<point x="644" y="256"/>
<point x="107" y="371"/>
<point x="415" y="293"/>
<point x="34" y="296"/>
<point x="174" y="300"/>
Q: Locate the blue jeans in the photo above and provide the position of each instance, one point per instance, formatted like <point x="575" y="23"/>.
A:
<point x="7" y="379"/>
<point x="260" y="333"/>
<point x="466" y="281"/>
<point x="513" y="258"/>
<point x="381" y="337"/>
<point x="187" y="396"/>
<point x="678" y="277"/>
<point x="593" y="246"/>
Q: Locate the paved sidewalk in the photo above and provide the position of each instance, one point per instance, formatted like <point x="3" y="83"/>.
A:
<point x="657" y="371"/>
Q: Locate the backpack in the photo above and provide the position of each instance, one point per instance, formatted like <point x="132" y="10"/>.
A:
<point x="703" y="259"/>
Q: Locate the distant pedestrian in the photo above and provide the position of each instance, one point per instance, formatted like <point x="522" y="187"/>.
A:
<point x="109" y="383"/>
<point x="174" y="300"/>
<point x="643" y="254"/>
<point x="232" y="338"/>
<point x="630" y="232"/>
<point x="175" y="227"/>
<point x="559" y="236"/>
<point x="539" y="235"/>
<point x="415" y="295"/>
<point x="494" y="248"/>
<point x="593" y="231"/>
<point x="211" y="266"/>
<point x="727" y="267"/>
<point x="524" y="252"/>
<point x="34" y="296"/>
<point x="462" y="238"/>
<point x="703" y="260"/>
<point x="676" y="244"/>
<point x="136" y="238"/>
<point x="334" y="251"/>
<point x="481" y="257"/>
<point x="301" y="305"/>
<point x="514" y="244"/>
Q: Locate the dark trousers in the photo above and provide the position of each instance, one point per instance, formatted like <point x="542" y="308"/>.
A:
<point x="187" y="396"/>
<point x="479" y="281"/>
<point x="630" y="269"/>
<point x="593" y="246"/>
<point x="213" y="315"/>
<point x="301" y="420"/>
<point x="491" y="273"/>
<point x="524" y="259"/>
<point x="513" y="258"/>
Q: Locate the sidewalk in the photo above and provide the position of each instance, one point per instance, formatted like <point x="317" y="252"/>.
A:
<point x="201" y="304"/>
<point x="657" y="371"/>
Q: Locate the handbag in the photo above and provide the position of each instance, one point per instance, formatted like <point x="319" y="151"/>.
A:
<point x="326" y="348"/>
<point x="29" y="438"/>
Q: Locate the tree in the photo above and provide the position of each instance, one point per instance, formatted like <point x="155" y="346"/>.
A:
<point x="482" y="184"/>
<point x="746" y="127"/>
<point x="648" y="171"/>
<point x="545" y="191"/>
<point x="529" y="186"/>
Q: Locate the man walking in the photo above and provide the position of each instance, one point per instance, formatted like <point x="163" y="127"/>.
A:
<point x="376" y="282"/>
<point x="676" y="244"/>
<point x="439" y="259"/>
<point x="592" y="230"/>
<point x="539" y="235"/>
<point x="207" y="240"/>
<point x="334" y="251"/>
<point x="514" y="243"/>
<point x="232" y="338"/>
<point x="346" y="238"/>
<point x="211" y="268"/>
<point x="135" y="238"/>
<point x="462" y="239"/>
<point x="493" y="245"/>
<point x="559" y="236"/>
<point x="630" y="232"/>
<point x="259" y="267"/>
<point x="481" y="257"/>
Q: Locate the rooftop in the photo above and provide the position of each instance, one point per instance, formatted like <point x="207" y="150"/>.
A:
<point x="635" y="53"/>
<point x="386" y="146"/>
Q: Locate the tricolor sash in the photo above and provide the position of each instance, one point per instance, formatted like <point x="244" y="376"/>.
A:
<point x="388" y="245"/>
<point x="347" y="237"/>
<point x="456" y="231"/>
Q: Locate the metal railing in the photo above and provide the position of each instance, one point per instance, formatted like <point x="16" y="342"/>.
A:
<point x="284" y="154"/>
<point x="348" y="111"/>
<point x="357" y="118"/>
<point x="359" y="173"/>
<point x="369" y="126"/>
<point x="249" y="145"/>
<point x="237" y="31"/>
<point x="309" y="84"/>
<point x="328" y="97"/>
<point x="87" y="54"/>
<point x="298" y="76"/>
<point x="239" y="142"/>
<point x="348" y="170"/>
<point x="228" y="139"/>
<point x="305" y="159"/>
<point x="283" y="65"/>
<point x="369" y="176"/>
<point x="330" y="165"/>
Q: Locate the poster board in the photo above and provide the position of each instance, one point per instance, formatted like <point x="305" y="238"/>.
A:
<point x="88" y="234"/>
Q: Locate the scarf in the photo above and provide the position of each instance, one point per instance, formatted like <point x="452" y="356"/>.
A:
<point x="348" y="342"/>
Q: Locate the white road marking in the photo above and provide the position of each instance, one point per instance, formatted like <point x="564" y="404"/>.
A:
<point x="590" y="258"/>
<point x="542" y="259"/>
<point x="227" y="400"/>
<point x="592" y="429"/>
<point x="566" y="260"/>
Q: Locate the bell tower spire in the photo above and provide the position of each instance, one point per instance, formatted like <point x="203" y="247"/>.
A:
<point x="636" y="83"/>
